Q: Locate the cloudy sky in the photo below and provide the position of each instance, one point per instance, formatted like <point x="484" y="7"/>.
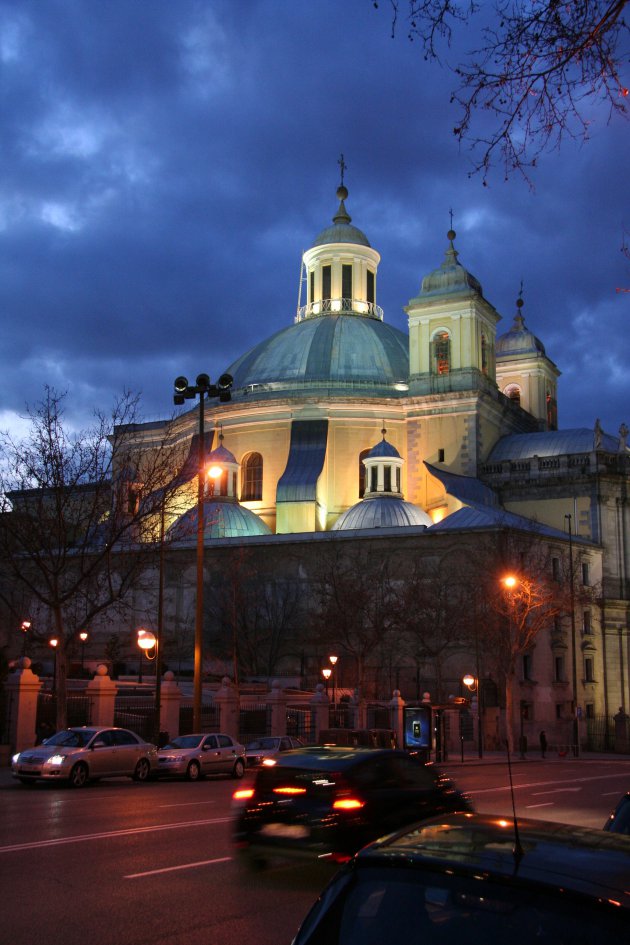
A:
<point x="164" y="163"/>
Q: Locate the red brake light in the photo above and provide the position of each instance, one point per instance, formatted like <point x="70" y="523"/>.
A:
<point x="245" y="794"/>
<point x="289" y="790"/>
<point x="347" y="803"/>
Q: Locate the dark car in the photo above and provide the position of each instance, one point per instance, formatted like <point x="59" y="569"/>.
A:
<point x="465" y="879"/>
<point x="327" y="802"/>
<point x="619" y="820"/>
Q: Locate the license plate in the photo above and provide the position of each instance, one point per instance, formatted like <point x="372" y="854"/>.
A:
<point x="289" y="831"/>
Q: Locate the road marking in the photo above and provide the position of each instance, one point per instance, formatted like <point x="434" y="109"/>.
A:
<point x="108" y="835"/>
<point x="183" y="866"/>
<point x="187" y="804"/>
<point x="559" y="790"/>
<point x="534" y="806"/>
<point x="532" y="784"/>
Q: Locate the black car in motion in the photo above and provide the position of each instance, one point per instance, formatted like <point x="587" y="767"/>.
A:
<point x="469" y="879"/>
<point x="325" y="802"/>
<point x="619" y="819"/>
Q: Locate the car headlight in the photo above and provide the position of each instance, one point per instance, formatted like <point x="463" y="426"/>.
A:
<point x="15" y="758"/>
<point x="55" y="760"/>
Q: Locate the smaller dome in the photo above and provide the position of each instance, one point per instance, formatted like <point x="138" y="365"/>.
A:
<point x="518" y="340"/>
<point x="342" y="230"/>
<point x="385" y="511"/>
<point x="223" y="518"/>
<point x="221" y="455"/>
<point x="451" y="277"/>
<point x="383" y="449"/>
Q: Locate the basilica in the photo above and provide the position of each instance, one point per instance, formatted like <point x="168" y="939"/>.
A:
<point x="342" y="431"/>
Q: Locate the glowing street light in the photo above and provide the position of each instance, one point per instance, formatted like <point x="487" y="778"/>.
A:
<point x="54" y="642"/>
<point x="83" y="638"/>
<point x="25" y="626"/>
<point x="472" y="684"/>
<point x="326" y="673"/>
<point x="333" y="660"/>
<point x="185" y="391"/>
<point x="146" y="641"/>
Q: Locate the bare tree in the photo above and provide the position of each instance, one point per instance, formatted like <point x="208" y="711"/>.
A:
<point x="540" y="70"/>
<point x="79" y="518"/>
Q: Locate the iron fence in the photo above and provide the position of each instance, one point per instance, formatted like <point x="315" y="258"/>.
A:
<point x="210" y="718"/>
<point x="254" y="721"/>
<point x="300" y="723"/>
<point x="137" y="714"/>
<point x="78" y="708"/>
<point x="602" y="735"/>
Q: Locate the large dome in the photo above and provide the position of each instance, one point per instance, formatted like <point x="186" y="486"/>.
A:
<point x="382" y="512"/>
<point x="336" y="352"/>
<point x="222" y="519"/>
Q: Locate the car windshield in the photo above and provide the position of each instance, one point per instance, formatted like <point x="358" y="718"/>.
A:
<point x="71" y="738"/>
<point x="263" y="744"/>
<point x="185" y="741"/>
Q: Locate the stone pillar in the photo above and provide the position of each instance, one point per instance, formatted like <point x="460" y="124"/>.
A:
<point x="359" y="707"/>
<point x="396" y="707"/>
<point x="101" y="690"/>
<point x="170" y="700"/>
<point x="277" y="702"/>
<point x="22" y="689"/>
<point x="320" y="712"/>
<point x="227" y="699"/>
<point x="622" y="731"/>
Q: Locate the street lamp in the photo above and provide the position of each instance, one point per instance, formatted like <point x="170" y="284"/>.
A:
<point x="333" y="661"/>
<point x="576" y="738"/>
<point x="54" y="643"/>
<point x="510" y="582"/>
<point x="25" y="626"/>
<point x="83" y="637"/>
<point x="326" y="673"/>
<point x="146" y="641"/>
<point x="472" y="683"/>
<point x="185" y="391"/>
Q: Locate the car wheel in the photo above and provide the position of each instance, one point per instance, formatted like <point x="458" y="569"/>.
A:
<point x="239" y="769"/>
<point x="79" y="775"/>
<point x="193" y="771"/>
<point x="142" y="770"/>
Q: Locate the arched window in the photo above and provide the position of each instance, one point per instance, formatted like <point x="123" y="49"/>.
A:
<point x="252" y="477"/>
<point x="513" y="391"/>
<point x="441" y="353"/>
<point x="362" y="456"/>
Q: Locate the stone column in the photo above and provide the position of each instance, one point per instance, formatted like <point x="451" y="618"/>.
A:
<point x="359" y="708"/>
<point x="170" y="700"/>
<point x="101" y="690"/>
<point x="320" y="711"/>
<point x="277" y="702"/>
<point x="22" y="689"/>
<point x="396" y="707"/>
<point x="227" y="699"/>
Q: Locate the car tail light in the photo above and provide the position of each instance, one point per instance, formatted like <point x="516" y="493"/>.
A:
<point x="245" y="794"/>
<point x="289" y="790"/>
<point x="348" y="803"/>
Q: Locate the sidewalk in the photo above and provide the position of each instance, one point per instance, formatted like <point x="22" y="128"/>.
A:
<point x="531" y="757"/>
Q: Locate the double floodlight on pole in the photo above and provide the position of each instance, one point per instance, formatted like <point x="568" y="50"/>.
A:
<point x="184" y="391"/>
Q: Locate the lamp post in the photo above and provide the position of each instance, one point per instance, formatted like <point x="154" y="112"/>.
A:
<point x="54" y="642"/>
<point x="333" y="662"/>
<point x="25" y="626"/>
<point x="473" y="684"/>
<point x="146" y="641"/>
<point x="510" y="582"/>
<point x="575" y="732"/>
<point x="185" y="391"/>
<point x="326" y="673"/>
<point x="83" y="638"/>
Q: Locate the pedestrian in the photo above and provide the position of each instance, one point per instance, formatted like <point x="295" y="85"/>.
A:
<point x="543" y="743"/>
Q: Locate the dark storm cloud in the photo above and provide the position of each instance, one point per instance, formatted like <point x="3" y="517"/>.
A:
<point x="164" y="165"/>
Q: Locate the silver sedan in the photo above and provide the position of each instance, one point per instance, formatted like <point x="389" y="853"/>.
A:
<point x="196" y="756"/>
<point x="76" y="755"/>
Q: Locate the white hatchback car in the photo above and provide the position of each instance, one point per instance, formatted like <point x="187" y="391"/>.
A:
<point x="77" y="755"/>
<point x="197" y="756"/>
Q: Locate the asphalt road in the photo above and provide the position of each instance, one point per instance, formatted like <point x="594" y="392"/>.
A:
<point x="120" y="863"/>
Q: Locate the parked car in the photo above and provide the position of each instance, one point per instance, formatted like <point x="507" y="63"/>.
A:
<point x="197" y="756"/>
<point x="329" y="802"/>
<point x="619" y="819"/>
<point x="269" y="747"/>
<point x="466" y="879"/>
<point x="77" y="755"/>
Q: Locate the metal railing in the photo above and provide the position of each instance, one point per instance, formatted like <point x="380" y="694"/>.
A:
<point x="339" y="307"/>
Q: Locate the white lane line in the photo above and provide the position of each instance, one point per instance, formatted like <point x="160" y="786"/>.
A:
<point x="107" y="835"/>
<point x="531" y="784"/>
<point x="560" y="790"/>
<point x="187" y="804"/>
<point x="183" y="866"/>
<point x="534" y="806"/>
